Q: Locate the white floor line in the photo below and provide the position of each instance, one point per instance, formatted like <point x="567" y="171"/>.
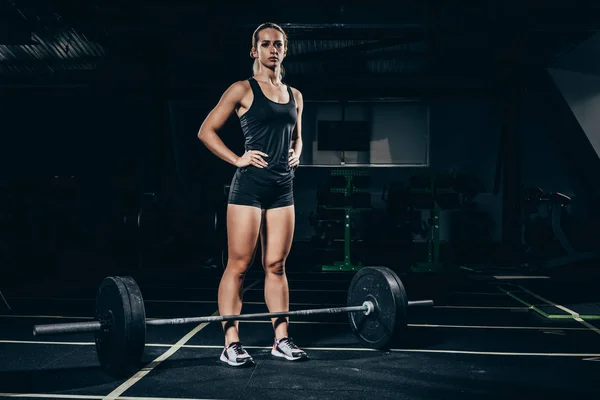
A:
<point x="440" y="351"/>
<point x="116" y="393"/>
<point x="511" y="277"/>
<point x="8" y="341"/>
<point x="525" y="328"/>
<point x="83" y="396"/>
<point x="563" y="308"/>
<point x="449" y="326"/>
<point x="484" y="307"/>
<point x="148" y="368"/>
<point x="481" y="293"/>
<point x="496" y="353"/>
<point x="43" y="316"/>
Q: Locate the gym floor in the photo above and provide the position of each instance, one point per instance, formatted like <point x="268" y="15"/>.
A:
<point x="488" y="336"/>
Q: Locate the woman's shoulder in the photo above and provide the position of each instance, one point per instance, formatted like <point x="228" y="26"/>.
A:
<point x="240" y="86"/>
<point x="238" y="89"/>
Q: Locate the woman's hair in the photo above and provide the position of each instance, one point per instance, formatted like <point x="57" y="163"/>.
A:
<point x="262" y="26"/>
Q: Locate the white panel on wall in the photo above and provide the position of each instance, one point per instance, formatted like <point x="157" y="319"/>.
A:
<point x="582" y="93"/>
<point x="399" y="133"/>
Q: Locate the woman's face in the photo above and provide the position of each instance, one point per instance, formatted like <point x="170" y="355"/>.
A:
<point x="270" y="49"/>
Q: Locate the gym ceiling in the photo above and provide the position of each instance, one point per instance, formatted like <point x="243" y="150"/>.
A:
<point x="444" y="45"/>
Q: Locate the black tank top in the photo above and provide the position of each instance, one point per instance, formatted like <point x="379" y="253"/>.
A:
<point x="268" y="127"/>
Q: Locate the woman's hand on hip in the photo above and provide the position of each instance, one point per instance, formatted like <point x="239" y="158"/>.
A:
<point x="252" y="157"/>
<point x="294" y="159"/>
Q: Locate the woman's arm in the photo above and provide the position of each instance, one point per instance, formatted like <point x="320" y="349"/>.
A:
<point x="297" y="134"/>
<point x="215" y="120"/>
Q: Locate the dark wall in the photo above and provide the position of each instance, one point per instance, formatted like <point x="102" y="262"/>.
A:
<point x="543" y="164"/>
<point x="72" y="160"/>
<point x="119" y="144"/>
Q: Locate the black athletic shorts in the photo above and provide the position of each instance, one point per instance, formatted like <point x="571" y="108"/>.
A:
<point x="248" y="191"/>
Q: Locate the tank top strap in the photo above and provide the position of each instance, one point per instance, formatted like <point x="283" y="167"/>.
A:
<point x="292" y="99"/>
<point x="255" y="88"/>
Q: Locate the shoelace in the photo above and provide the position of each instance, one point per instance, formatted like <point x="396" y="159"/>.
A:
<point x="287" y="342"/>
<point x="237" y="349"/>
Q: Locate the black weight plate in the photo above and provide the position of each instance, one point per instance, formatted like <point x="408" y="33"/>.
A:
<point x="380" y="286"/>
<point x="402" y="315"/>
<point x="120" y="346"/>
<point x="402" y="289"/>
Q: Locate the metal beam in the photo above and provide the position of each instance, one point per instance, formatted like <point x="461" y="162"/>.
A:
<point x="353" y="50"/>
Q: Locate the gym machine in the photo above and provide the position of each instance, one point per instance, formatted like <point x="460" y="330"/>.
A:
<point x="432" y="193"/>
<point x="346" y="192"/>
<point x="541" y="233"/>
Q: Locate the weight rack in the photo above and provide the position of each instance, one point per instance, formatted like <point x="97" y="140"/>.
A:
<point x="349" y="189"/>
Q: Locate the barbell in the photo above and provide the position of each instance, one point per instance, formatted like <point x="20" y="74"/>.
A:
<point x="376" y="306"/>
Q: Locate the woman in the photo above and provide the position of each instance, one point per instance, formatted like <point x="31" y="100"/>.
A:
<point x="261" y="198"/>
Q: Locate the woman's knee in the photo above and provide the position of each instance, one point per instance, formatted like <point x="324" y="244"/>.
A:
<point x="275" y="266"/>
<point x="238" y="266"/>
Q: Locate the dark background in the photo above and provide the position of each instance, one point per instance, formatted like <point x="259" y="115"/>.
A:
<point x="102" y="101"/>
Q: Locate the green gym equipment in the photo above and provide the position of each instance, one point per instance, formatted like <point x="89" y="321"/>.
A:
<point x="347" y="192"/>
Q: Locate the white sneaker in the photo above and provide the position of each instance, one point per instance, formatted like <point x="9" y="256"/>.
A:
<point x="285" y="348"/>
<point x="236" y="356"/>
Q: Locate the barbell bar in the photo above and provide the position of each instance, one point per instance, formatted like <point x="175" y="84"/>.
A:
<point x="96" y="326"/>
<point x="377" y="308"/>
